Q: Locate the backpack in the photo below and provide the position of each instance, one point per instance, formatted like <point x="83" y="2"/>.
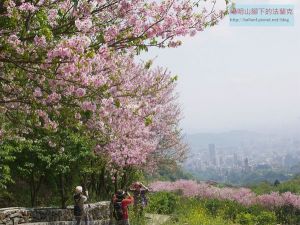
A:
<point x="77" y="209"/>
<point x="118" y="210"/>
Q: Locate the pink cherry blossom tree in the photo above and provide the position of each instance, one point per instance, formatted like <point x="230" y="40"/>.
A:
<point x="70" y="65"/>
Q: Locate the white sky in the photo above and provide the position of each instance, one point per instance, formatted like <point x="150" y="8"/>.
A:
<point x="238" y="78"/>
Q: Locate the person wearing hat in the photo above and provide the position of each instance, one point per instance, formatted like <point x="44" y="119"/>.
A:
<point x="121" y="201"/>
<point x="139" y="192"/>
<point x="80" y="199"/>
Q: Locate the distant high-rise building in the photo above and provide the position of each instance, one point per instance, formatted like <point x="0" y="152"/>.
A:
<point x="212" y="154"/>
<point x="246" y="164"/>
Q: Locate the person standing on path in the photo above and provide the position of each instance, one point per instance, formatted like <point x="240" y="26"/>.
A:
<point x="121" y="201"/>
<point x="79" y="200"/>
<point x="140" y="200"/>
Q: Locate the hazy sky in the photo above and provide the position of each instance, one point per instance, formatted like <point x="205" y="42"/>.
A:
<point x="238" y="77"/>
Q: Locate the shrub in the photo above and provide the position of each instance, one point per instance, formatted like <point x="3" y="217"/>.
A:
<point x="163" y="203"/>
<point x="192" y="211"/>
<point x="266" y="218"/>
<point x="288" y="215"/>
<point x="255" y="209"/>
<point x="213" y="206"/>
<point x="7" y="199"/>
<point x="246" y="219"/>
<point x="189" y="210"/>
<point x="230" y="210"/>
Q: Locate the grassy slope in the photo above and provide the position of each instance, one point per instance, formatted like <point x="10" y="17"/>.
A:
<point x="292" y="185"/>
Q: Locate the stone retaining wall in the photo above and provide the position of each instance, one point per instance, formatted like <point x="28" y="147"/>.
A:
<point x="98" y="214"/>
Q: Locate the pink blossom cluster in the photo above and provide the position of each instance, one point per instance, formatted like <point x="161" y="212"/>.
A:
<point x="27" y="7"/>
<point x="40" y="41"/>
<point x="46" y="121"/>
<point x="52" y="17"/>
<point x="166" y="20"/>
<point x="243" y="196"/>
<point x="84" y="25"/>
<point x="275" y="199"/>
<point x="89" y="106"/>
<point x="15" y="42"/>
<point x="37" y="92"/>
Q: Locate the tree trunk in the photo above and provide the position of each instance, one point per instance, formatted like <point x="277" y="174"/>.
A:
<point x="62" y="192"/>
<point x="124" y="184"/>
<point x="32" y="191"/>
<point x="101" y="189"/>
<point x="116" y="182"/>
<point x="32" y="196"/>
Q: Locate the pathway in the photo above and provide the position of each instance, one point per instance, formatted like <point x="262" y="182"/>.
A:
<point x="156" y="219"/>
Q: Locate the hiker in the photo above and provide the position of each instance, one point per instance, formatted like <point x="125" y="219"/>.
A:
<point x="121" y="200"/>
<point x="80" y="199"/>
<point x="139" y="192"/>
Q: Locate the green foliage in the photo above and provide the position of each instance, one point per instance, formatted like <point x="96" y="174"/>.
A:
<point x="195" y="211"/>
<point x="117" y="103"/>
<point x="288" y="215"/>
<point x="230" y="210"/>
<point x="169" y="170"/>
<point x="136" y="219"/>
<point x="5" y="171"/>
<point x="292" y="185"/>
<point x="263" y="187"/>
<point x="213" y="206"/>
<point x="148" y="64"/>
<point x="148" y="120"/>
<point x="266" y="218"/>
<point x="174" y="78"/>
<point x="163" y="203"/>
<point x="246" y="219"/>
<point x="35" y="174"/>
<point x="192" y="211"/>
<point x="262" y="218"/>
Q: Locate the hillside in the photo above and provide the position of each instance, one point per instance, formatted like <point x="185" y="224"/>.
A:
<point x="192" y="203"/>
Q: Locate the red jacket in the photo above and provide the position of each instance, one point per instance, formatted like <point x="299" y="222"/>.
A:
<point x="125" y="202"/>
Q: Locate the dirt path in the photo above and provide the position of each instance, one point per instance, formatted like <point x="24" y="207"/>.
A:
<point x="156" y="219"/>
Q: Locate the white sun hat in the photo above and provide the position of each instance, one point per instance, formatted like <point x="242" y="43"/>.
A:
<point x="78" y="189"/>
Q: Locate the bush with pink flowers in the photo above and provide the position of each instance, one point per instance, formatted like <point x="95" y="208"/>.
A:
<point x="212" y="210"/>
<point x="244" y="196"/>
